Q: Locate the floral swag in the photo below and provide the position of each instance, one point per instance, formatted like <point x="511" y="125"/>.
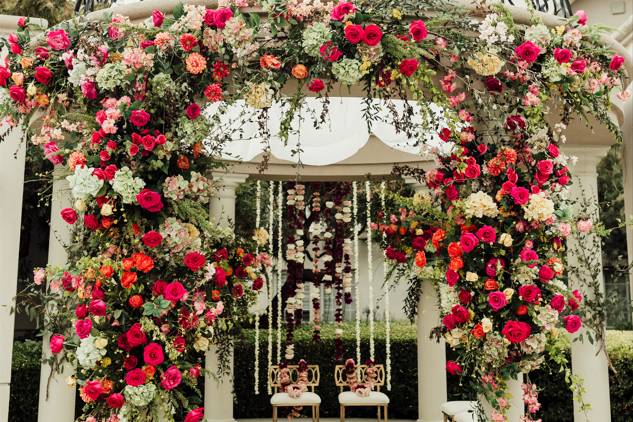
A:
<point x="151" y="282"/>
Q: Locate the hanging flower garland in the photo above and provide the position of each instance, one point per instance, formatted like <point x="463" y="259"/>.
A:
<point x="280" y="259"/>
<point x="258" y="217"/>
<point x="269" y="275"/>
<point x="316" y="232"/>
<point x="386" y="290"/>
<point x="370" y="272"/>
<point x="356" y="268"/>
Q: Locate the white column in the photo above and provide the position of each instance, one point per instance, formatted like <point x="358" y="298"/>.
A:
<point x="587" y="360"/>
<point x="56" y="396"/>
<point x="431" y="354"/>
<point x="627" y="164"/>
<point x="516" y="407"/>
<point x="218" y="391"/>
<point x="11" y="187"/>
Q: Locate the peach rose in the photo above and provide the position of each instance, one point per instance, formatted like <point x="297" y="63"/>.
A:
<point x="299" y="71"/>
<point x="268" y="61"/>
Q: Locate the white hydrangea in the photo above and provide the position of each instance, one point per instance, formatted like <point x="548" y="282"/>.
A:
<point x="547" y="317"/>
<point x="538" y="34"/>
<point x="314" y="36"/>
<point x="88" y="354"/>
<point x="140" y="396"/>
<point x="83" y="183"/>
<point x="125" y="184"/>
<point x="479" y="204"/>
<point x="494" y="31"/>
<point x="539" y="208"/>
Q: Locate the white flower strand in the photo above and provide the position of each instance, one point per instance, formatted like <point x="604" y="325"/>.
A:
<point x="383" y="188"/>
<point x="280" y="257"/>
<point x="370" y="272"/>
<point x="258" y="218"/>
<point x="269" y="275"/>
<point x="356" y="269"/>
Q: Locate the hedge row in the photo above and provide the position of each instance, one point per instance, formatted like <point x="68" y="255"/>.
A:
<point x="555" y="397"/>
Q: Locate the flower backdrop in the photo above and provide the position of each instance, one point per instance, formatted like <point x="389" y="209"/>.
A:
<point x="150" y="282"/>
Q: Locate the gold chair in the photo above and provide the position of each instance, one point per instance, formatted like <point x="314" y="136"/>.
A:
<point x="350" y="399"/>
<point x="308" y="398"/>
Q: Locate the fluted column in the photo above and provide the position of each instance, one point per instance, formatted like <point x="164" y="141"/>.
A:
<point x="218" y="391"/>
<point x="588" y="360"/>
<point x="56" y="396"/>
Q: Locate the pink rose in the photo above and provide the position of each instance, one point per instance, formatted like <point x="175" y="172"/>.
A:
<point x="472" y="171"/>
<point x="149" y="200"/>
<point x="530" y="293"/>
<point x="553" y="150"/>
<point x="92" y="389"/>
<point x="546" y="273"/>
<point x="153" y="354"/>
<point x="195" y="415"/>
<point x="69" y="215"/>
<point x="58" y="40"/>
<point x="453" y="367"/>
<point x="528" y="51"/>
<point x="582" y="17"/>
<point x="174" y="291"/>
<point x="418" y="31"/>
<point x="135" y="377"/>
<point x="520" y="195"/>
<point x="354" y="33"/>
<point x="493" y="265"/>
<point x="373" y="35"/>
<point x="209" y="17"/>
<point x="97" y="307"/>
<point x="468" y="242"/>
<point x="572" y="323"/>
<point x="409" y="66"/>
<point x="562" y="55"/>
<point x="171" y="378"/>
<point x="81" y="311"/>
<point x="115" y="401"/>
<point x="616" y="62"/>
<point x="497" y="300"/>
<point x="193" y="111"/>
<point x="4" y="75"/>
<point x="579" y="65"/>
<point x="341" y="10"/>
<point x="220" y="277"/>
<point x="451" y="277"/>
<point x="449" y="322"/>
<point x="139" y="118"/>
<point x="43" y="75"/>
<point x="83" y="327"/>
<point x="584" y="226"/>
<point x="529" y="256"/>
<point x="545" y="167"/>
<point x="157" y="18"/>
<point x="56" y="343"/>
<point x="152" y="239"/>
<point x="487" y="234"/>
<point x="558" y="302"/>
<point x="221" y="16"/>
<point x="516" y="331"/>
<point x="17" y="94"/>
<point x="194" y="261"/>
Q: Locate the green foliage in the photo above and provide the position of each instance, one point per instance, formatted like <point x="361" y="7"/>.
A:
<point x="54" y="11"/>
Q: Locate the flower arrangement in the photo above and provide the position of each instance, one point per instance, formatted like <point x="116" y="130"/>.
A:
<point x="120" y="110"/>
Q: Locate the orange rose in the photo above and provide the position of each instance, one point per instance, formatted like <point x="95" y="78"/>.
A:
<point x="183" y="162"/>
<point x="456" y="264"/>
<point x="197" y="149"/>
<point x="229" y="271"/>
<point x="106" y="222"/>
<point x="521" y="310"/>
<point x="478" y="331"/>
<point x="491" y="284"/>
<point x="215" y="295"/>
<point x="299" y="71"/>
<point x="107" y="385"/>
<point x="143" y="262"/>
<point x="402" y="231"/>
<point x="149" y="371"/>
<point x="98" y="284"/>
<point x="128" y="263"/>
<point x="268" y="61"/>
<point x="90" y="274"/>
<point x="128" y="279"/>
<point x="454" y="250"/>
<point x="420" y="259"/>
<point x="239" y="252"/>
<point x="135" y="301"/>
<point x="438" y="236"/>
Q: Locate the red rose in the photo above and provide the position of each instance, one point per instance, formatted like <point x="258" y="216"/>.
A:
<point x="81" y="310"/>
<point x="451" y="277"/>
<point x="193" y="111"/>
<point x="373" y="35"/>
<point x="43" y="75"/>
<point x="41" y="53"/>
<point x="17" y="94"/>
<point x="472" y="171"/>
<point x="341" y="10"/>
<point x="516" y="331"/>
<point x="180" y="343"/>
<point x="497" y="300"/>
<point x="468" y="242"/>
<point x="520" y="195"/>
<point x="135" y="377"/>
<point x="515" y="122"/>
<point x="258" y="283"/>
<point x="545" y="167"/>
<point x="572" y="323"/>
<point x="464" y="297"/>
<point x="58" y="40"/>
<point x="139" y="118"/>
<point x="221" y="16"/>
<point x="530" y="293"/>
<point x="493" y="265"/>
<point x="135" y="335"/>
<point x="354" y="33"/>
<point x="461" y="314"/>
<point x="616" y="62"/>
<point x="152" y="239"/>
<point x="91" y="222"/>
<point x="418" y="243"/>
<point x="220" y="277"/>
<point x="69" y="215"/>
<point x="92" y="390"/>
<point x="83" y="327"/>
<point x="194" y="261"/>
<point x="237" y="291"/>
<point x="528" y="51"/>
<point x="153" y="354"/>
<point x="449" y="322"/>
<point x="209" y="17"/>
<point x="493" y="84"/>
<point x="130" y="362"/>
<point x="171" y="378"/>
<point x="4" y="75"/>
<point x="22" y="22"/>
<point x="330" y="52"/>
<point x="579" y="65"/>
<point x="56" y="343"/>
<point x="149" y="200"/>
<point x="562" y="55"/>
<point x="558" y="302"/>
<point x="546" y="273"/>
<point x="487" y="234"/>
<point x="316" y="85"/>
<point x="174" y="291"/>
<point x="196" y="415"/>
<point x="116" y="400"/>
<point x="135" y="301"/>
<point x="97" y="307"/>
<point x="188" y="42"/>
<point x="158" y="287"/>
<point x="157" y="18"/>
<point x="418" y="31"/>
<point x="453" y="367"/>
<point x="409" y="66"/>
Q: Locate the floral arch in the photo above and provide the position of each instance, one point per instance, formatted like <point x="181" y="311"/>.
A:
<point x="150" y="282"/>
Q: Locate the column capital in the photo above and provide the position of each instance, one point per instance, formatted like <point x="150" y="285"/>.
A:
<point x="229" y="180"/>
<point x="415" y="184"/>
<point x="588" y="158"/>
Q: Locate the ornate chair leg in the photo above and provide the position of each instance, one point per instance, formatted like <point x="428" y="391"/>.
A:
<point x="378" y="412"/>
<point x="385" y="414"/>
<point x="318" y="412"/>
<point x="274" y="413"/>
<point x="342" y="413"/>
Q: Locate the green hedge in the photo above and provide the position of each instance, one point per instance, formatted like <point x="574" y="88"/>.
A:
<point x="555" y="397"/>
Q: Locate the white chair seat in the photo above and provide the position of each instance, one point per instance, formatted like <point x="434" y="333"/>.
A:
<point x="308" y="398"/>
<point x="375" y="398"/>
<point x="452" y="408"/>
<point x="468" y="416"/>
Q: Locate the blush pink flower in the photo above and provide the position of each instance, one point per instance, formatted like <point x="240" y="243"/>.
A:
<point x="56" y="343"/>
<point x="497" y="300"/>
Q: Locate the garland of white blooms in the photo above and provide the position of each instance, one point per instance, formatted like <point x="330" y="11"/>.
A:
<point x="280" y="257"/>
<point x="383" y="188"/>
<point x="258" y="218"/>
<point x="316" y="231"/>
<point x="271" y="220"/>
<point x="370" y="272"/>
<point x="356" y="268"/>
